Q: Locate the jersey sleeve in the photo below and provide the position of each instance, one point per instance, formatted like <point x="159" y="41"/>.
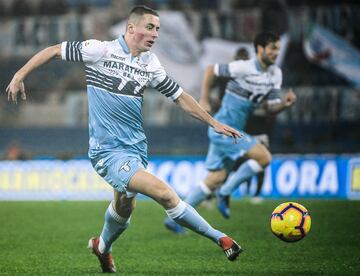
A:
<point x="230" y="70"/>
<point x="163" y="83"/>
<point x="83" y="51"/>
<point x="274" y="96"/>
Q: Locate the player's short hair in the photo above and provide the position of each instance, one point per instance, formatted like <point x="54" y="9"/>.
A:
<point x="137" y="13"/>
<point x="264" y="38"/>
<point x="141" y="10"/>
<point x="241" y="54"/>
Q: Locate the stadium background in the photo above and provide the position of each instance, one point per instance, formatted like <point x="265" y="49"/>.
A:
<point x="51" y="200"/>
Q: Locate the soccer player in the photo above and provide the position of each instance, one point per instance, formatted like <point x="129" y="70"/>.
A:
<point x="117" y="72"/>
<point x="252" y="82"/>
<point x="254" y="125"/>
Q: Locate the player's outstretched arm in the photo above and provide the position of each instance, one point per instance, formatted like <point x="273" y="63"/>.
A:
<point x="17" y="83"/>
<point x="189" y="105"/>
<point x="207" y="82"/>
<point x="288" y="100"/>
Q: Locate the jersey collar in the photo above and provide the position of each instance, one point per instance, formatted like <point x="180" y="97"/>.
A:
<point x="126" y="49"/>
<point x="123" y="44"/>
<point x="258" y="65"/>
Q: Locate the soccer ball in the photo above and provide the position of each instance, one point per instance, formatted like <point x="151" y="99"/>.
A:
<point x="290" y="221"/>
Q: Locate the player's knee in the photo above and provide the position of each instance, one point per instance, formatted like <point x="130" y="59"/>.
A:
<point x="266" y="159"/>
<point x="167" y="198"/>
<point x="221" y="176"/>
<point x="215" y="178"/>
<point x="261" y="155"/>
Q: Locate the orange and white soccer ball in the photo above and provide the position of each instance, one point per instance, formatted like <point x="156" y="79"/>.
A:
<point x="290" y="221"/>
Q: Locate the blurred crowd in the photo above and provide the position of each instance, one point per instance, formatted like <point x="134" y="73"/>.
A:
<point x="232" y="20"/>
<point x="16" y="8"/>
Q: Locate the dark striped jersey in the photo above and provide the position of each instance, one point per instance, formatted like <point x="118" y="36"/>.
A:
<point x="249" y="85"/>
<point x="116" y="81"/>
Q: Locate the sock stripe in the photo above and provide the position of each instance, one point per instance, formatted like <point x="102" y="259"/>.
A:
<point x="121" y="220"/>
<point x="255" y="166"/>
<point x="205" y="188"/>
<point x="177" y="210"/>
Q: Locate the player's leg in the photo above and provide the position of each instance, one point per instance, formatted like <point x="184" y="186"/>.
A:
<point x="259" y="158"/>
<point x="200" y="192"/>
<point x="215" y="176"/>
<point x="117" y="219"/>
<point x="197" y="195"/>
<point x="260" y="183"/>
<point x="215" y="165"/>
<point x="264" y="140"/>
<point x="181" y="212"/>
<point x="256" y="199"/>
<point x="116" y="168"/>
<point x="237" y="164"/>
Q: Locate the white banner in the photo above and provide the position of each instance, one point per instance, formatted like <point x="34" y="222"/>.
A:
<point x="331" y="51"/>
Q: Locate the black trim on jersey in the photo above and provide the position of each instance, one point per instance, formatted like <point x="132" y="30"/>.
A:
<point x="95" y="81"/>
<point x="163" y="83"/>
<point x="100" y="80"/>
<point x="274" y="94"/>
<point x="89" y="70"/>
<point x="167" y="87"/>
<point x="97" y="76"/>
<point x="224" y="70"/>
<point x="235" y="88"/>
<point x="73" y="52"/>
<point x="110" y="84"/>
<point x="173" y="87"/>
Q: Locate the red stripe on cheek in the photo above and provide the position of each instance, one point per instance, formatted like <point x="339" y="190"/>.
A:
<point x="139" y="37"/>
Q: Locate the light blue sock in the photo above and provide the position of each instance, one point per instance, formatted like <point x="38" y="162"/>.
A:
<point x="186" y="216"/>
<point x="244" y="172"/>
<point x="198" y="194"/>
<point x="113" y="227"/>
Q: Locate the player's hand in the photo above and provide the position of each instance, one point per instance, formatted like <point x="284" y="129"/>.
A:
<point x="290" y="98"/>
<point x="16" y="85"/>
<point x="205" y="105"/>
<point x="228" y="131"/>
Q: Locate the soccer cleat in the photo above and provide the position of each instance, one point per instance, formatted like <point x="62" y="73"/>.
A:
<point x="223" y="203"/>
<point x="231" y="249"/>
<point x="106" y="261"/>
<point x="173" y="226"/>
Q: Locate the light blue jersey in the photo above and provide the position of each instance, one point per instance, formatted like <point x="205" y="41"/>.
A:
<point x="116" y="81"/>
<point x="248" y="87"/>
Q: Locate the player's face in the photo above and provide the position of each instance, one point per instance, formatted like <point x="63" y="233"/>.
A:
<point x="270" y="53"/>
<point x="146" y="32"/>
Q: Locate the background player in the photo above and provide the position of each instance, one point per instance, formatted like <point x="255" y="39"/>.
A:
<point x="257" y="124"/>
<point x="117" y="72"/>
<point x="252" y="82"/>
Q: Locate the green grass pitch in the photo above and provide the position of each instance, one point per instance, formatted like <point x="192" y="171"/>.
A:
<point x="50" y="238"/>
